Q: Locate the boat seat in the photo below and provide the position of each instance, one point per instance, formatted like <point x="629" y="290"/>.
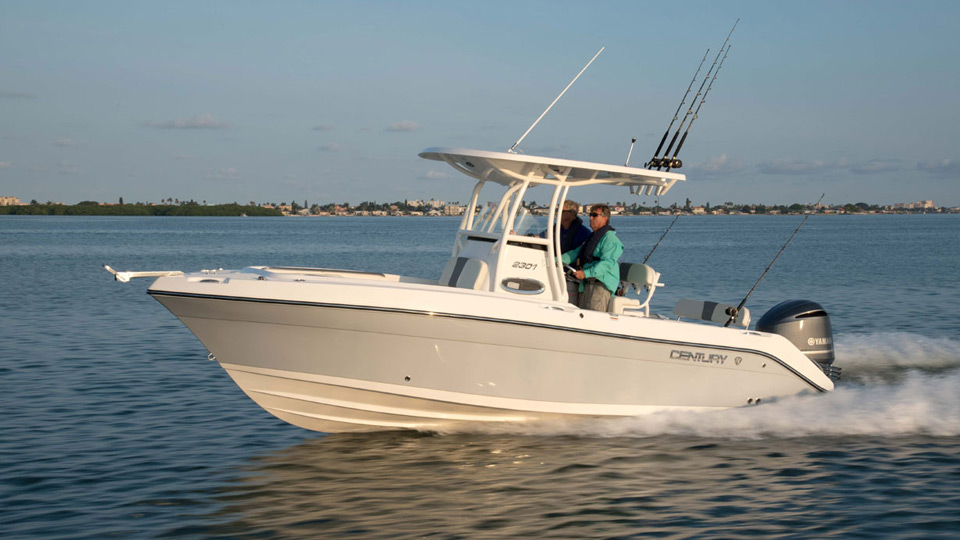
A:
<point x="706" y="310"/>
<point x="465" y="273"/>
<point x="640" y="276"/>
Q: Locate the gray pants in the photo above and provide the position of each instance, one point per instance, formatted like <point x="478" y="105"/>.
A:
<point x="594" y="296"/>
<point x="573" y="292"/>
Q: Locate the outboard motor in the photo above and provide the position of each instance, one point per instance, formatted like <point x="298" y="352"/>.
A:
<point x="807" y="325"/>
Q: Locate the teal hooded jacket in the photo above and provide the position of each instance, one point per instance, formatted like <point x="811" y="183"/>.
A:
<point x="606" y="267"/>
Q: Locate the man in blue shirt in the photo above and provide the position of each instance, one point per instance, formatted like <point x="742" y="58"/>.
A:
<point x="597" y="261"/>
<point x="573" y="234"/>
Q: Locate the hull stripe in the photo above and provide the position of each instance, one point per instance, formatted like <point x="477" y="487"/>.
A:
<point x="484" y="319"/>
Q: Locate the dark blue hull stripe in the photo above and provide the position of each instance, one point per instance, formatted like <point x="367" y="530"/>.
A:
<point x="485" y="319"/>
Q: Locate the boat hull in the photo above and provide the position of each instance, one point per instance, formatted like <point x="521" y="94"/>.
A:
<point x="336" y="366"/>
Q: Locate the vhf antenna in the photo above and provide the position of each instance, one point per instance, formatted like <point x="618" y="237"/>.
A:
<point x="513" y="148"/>
<point x="656" y="155"/>
<point x="733" y="312"/>
<point x="662" y="162"/>
<point x="673" y="160"/>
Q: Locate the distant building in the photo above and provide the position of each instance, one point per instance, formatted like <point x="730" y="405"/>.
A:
<point x="914" y="205"/>
<point x="11" y="201"/>
<point x="454" y="210"/>
<point x="698" y="210"/>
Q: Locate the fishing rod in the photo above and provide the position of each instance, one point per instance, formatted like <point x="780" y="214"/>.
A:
<point x="661" y="239"/>
<point x="673" y="161"/>
<point x="513" y="148"/>
<point x="656" y="155"/>
<point x="733" y="312"/>
<point x="663" y="161"/>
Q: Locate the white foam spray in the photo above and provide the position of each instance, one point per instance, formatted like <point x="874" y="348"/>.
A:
<point x="899" y="385"/>
<point x="876" y="355"/>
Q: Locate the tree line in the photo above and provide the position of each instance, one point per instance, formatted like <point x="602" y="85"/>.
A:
<point x="93" y="208"/>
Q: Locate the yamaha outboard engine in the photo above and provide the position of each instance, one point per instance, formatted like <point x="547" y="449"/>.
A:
<point x="807" y="325"/>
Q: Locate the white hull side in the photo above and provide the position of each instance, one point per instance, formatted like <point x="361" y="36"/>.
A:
<point x="334" y="405"/>
<point x="342" y="368"/>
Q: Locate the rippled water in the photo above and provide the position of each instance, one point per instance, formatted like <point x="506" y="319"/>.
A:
<point x="115" y="425"/>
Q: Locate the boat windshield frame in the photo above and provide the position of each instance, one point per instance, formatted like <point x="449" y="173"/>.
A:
<point x="517" y="173"/>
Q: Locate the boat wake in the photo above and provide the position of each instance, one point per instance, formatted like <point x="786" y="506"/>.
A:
<point x="893" y="385"/>
<point x="879" y="357"/>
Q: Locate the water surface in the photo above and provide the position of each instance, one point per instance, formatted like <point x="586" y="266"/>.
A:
<point x="115" y="425"/>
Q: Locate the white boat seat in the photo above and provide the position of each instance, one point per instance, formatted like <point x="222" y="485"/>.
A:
<point x="465" y="273"/>
<point x="706" y="310"/>
<point x="641" y="276"/>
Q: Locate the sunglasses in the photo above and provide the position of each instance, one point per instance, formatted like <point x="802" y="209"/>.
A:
<point x="595" y="215"/>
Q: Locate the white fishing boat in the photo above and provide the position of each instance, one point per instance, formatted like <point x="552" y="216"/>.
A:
<point x="493" y="337"/>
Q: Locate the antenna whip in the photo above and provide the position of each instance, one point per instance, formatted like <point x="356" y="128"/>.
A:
<point x="513" y="148"/>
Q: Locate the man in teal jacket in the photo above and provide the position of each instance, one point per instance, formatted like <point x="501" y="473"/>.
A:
<point x="597" y="261"/>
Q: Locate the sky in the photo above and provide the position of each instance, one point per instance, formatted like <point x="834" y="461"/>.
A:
<point x="224" y="101"/>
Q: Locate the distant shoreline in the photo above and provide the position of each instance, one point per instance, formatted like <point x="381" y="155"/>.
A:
<point x="139" y="210"/>
<point x="68" y="211"/>
<point x="432" y="209"/>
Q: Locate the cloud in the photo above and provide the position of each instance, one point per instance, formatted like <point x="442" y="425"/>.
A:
<point x="794" y="166"/>
<point x="943" y="167"/>
<point x="435" y="175"/>
<point x="330" y="147"/>
<point x="719" y="165"/>
<point x="67" y="168"/>
<point x="323" y="127"/>
<point x="404" y="126"/>
<point x="6" y="164"/>
<point x="16" y="95"/>
<point x="204" y="121"/>
<point x="227" y="173"/>
<point x="64" y="143"/>
<point x="875" y="166"/>
<point x="295" y="184"/>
